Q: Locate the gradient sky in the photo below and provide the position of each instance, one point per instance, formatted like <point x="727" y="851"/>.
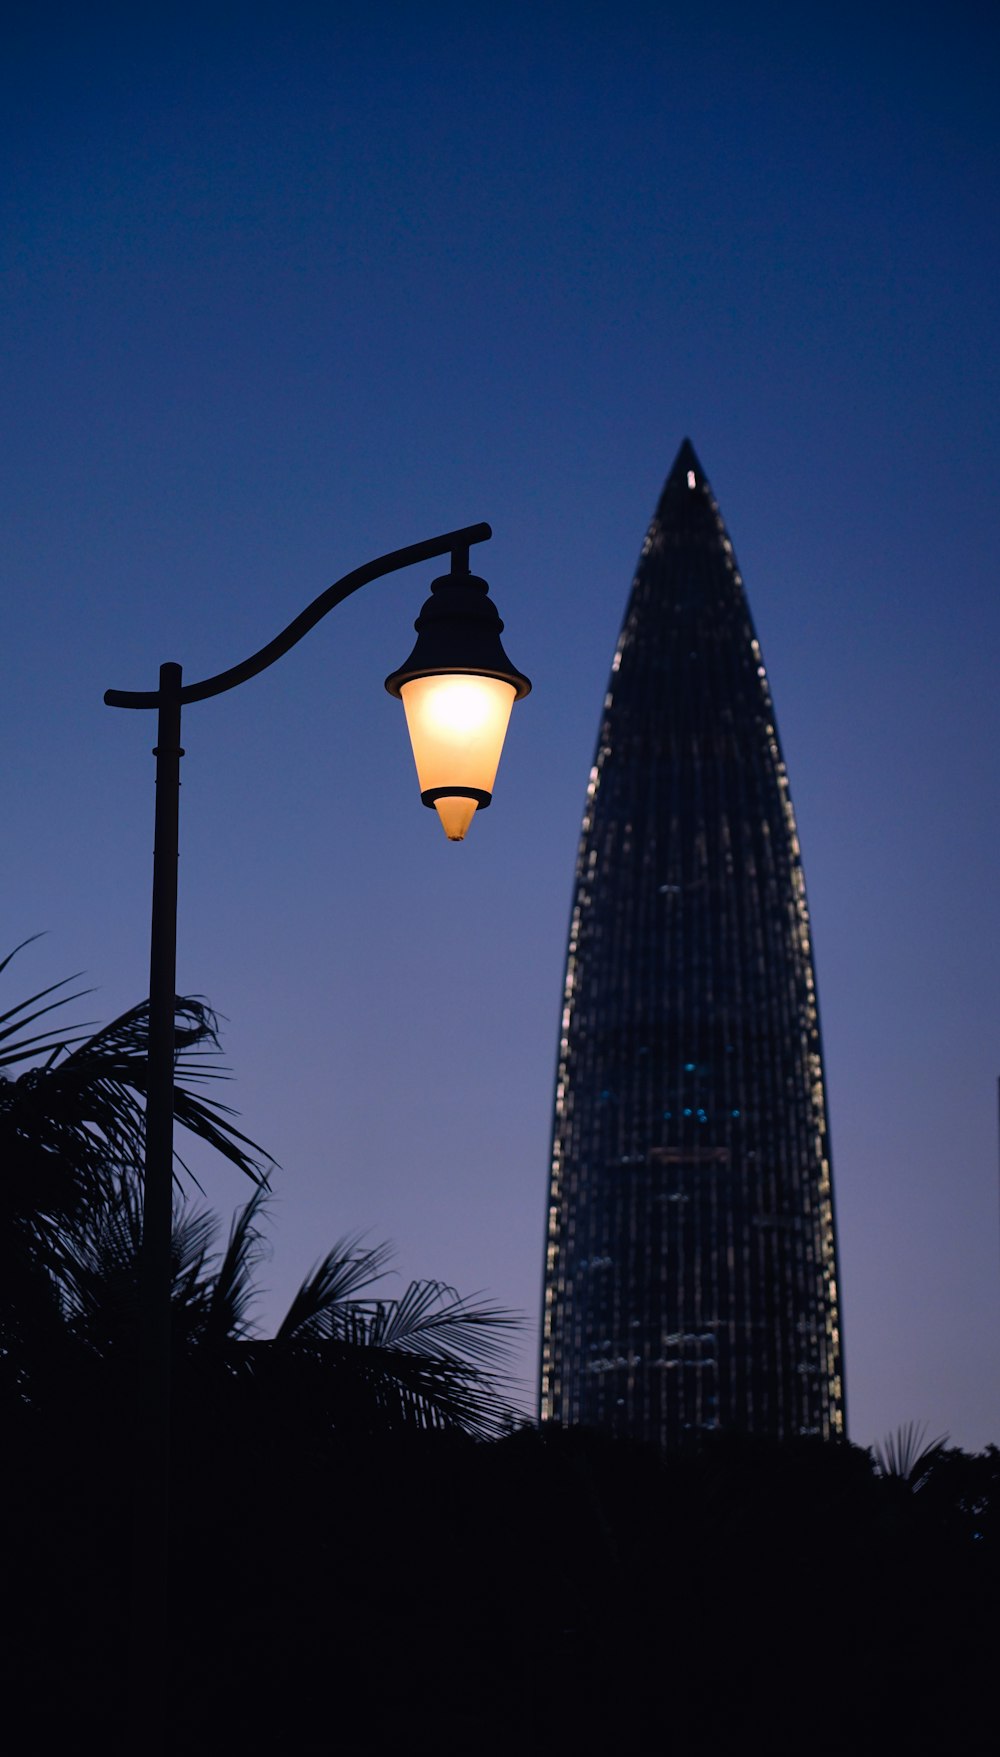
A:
<point x="289" y="286"/>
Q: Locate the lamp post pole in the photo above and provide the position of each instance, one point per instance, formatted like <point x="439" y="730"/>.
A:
<point x="151" y="1525"/>
<point x="458" y="644"/>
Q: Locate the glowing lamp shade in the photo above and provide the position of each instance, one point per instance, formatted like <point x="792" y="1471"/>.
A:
<point x="457" y="724"/>
<point x="458" y="687"/>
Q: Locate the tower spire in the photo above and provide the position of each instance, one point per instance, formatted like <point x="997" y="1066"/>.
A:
<point x="691" y="1274"/>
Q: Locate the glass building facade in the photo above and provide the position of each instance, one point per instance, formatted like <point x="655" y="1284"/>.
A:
<point x="691" y="1271"/>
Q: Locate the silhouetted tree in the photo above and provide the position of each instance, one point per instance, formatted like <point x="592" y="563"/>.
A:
<point x="344" y="1358"/>
<point x="71" y="1138"/>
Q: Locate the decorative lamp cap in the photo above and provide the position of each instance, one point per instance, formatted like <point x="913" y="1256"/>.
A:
<point x="458" y="630"/>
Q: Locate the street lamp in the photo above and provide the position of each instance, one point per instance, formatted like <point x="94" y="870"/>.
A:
<point x="457" y="687"/>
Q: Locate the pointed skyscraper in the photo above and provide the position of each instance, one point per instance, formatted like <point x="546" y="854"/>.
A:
<point x="691" y="1275"/>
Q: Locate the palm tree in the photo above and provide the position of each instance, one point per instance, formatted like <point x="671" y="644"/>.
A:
<point x="71" y="1135"/>
<point x="345" y="1359"/>
<point x="71" y="1139"/>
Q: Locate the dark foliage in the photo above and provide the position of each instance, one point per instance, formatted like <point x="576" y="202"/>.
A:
<point x="354" y="1570"/>
<point x="71" y="1132"/>
<point x="71" y="1137"/>
<point x="545" y="1592"/>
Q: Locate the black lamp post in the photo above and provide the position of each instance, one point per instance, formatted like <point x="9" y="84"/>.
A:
<point x="457" y="687"/>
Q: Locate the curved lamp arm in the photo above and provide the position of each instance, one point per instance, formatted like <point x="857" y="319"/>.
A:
<point x="455" y="543"/>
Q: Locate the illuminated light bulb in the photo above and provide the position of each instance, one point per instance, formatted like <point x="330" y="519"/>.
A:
<point x="457" y="724"/>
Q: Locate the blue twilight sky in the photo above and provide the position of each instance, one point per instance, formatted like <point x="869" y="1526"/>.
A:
<point x="288" y="286"/>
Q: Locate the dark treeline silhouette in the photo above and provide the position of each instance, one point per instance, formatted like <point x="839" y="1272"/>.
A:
<point x="546" y="1591"/>
<point x="362" y="1558"/>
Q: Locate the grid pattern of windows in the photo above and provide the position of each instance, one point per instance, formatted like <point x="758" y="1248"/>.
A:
<point x="691" y="1273"/>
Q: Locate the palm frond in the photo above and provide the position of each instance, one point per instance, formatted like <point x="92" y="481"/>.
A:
<point x="32" y="937"/>
<point x="48" y="1042"/>
<point x="19" y="1017"/>
<point x="192" y="1235"/>
<point x="123" y="1044"/>
<point x="428" y="1359"/>
<point x="66" y="1126"/>
<point x="94" y="1269"/>
<point x="905" y="1457"/>
<point x="232" y="1289"/>
<point x="367" y="1384"/>
<point x="432" y="1319"/>
<point x="344" y="1271"/>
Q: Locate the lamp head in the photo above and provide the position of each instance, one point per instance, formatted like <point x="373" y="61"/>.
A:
<point x="457" y="688"/>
